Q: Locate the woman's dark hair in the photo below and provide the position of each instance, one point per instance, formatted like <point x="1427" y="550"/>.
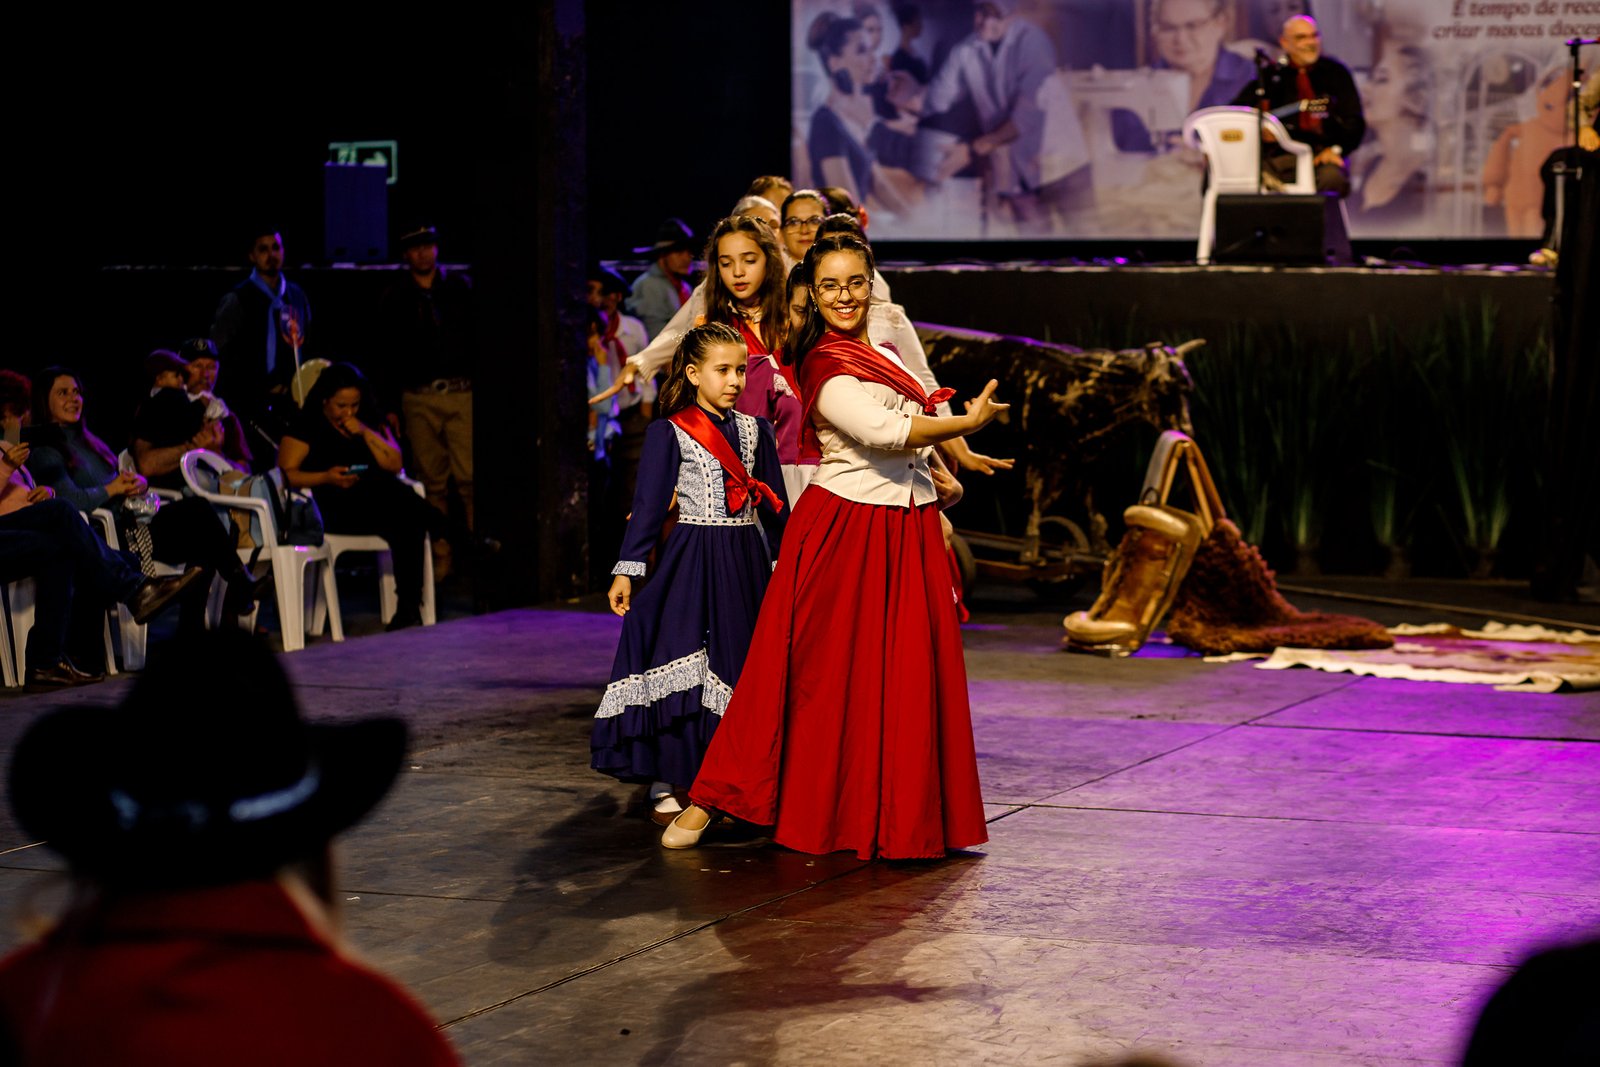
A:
<point x="43" y="381"/>
<point x="720" y="303"/>
<point x="840" y="201"/>
<point x="676" y="393"/>
<point x="801" y="194"/>
<point x="16" y="393"/>
<point x="841" y="222"/>
<point x="767" y="184"/>
<point x="43" y="431"/>
<point x="334" y="377"/>
<point x="799" y="278"/>
<point x="827" y="37"/>
<point x="815" y="327"/>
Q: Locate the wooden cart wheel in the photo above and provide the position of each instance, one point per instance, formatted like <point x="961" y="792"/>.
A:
<point x="1058" y="537"/>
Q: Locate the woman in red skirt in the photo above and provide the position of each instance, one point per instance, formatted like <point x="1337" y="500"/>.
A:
<point x="849" y="727"/>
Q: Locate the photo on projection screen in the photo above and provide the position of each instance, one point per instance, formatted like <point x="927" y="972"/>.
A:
<point x="1029" y="119"/>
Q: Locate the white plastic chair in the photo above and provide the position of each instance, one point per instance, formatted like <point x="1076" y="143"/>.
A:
<point x="1228" y="136"/>
<point x="388" y="601"/>
<point x="13" y="637"/>
<point x="203" y="468"/>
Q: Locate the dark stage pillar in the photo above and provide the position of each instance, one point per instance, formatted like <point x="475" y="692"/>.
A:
<point x="1571" y="476"/>
<point x="529" y="406"/>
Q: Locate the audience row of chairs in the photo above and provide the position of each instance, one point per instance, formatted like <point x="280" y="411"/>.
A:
<point x="297" y="598"/>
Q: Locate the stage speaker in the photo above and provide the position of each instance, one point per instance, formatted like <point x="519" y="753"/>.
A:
<point x="1289" y="229"/>
<point x="355" y="213"/>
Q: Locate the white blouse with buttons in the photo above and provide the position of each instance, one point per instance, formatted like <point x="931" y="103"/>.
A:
<point x="862" y="427"/>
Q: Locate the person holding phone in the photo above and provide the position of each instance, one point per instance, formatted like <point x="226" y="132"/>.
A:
<point x="353" y="469"/>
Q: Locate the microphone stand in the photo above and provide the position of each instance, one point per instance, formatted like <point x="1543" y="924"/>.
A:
<point x="1261" y="127"/>
<point x="1573" y="45"/>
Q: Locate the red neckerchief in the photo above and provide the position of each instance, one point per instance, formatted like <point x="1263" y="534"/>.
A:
<point x="680" y="286"/>
<point x="739" y="486"/>
<point x="837" y="355"/>
<point x="752" y="339"/>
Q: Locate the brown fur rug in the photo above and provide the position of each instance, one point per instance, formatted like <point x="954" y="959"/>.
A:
<point x="1229" y="602"/>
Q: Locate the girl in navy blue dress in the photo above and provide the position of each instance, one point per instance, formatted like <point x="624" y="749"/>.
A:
<point x="686" y="631"/>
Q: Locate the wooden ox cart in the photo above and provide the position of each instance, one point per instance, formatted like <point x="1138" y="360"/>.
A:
<point x="1068" y="405"/>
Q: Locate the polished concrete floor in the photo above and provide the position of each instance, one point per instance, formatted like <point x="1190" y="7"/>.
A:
<point x="1222" y="865"/>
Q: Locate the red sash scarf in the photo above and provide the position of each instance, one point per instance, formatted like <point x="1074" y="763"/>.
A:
<point x="752" y="339"/>
<point x="739" y="485"/>
<point x="836" y="355"/>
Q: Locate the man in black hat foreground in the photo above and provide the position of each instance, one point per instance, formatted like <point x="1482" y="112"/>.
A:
<point x="424" y="372"/>
<point x="660" y="291"/>
<point x="196" y="821"/>
<point x="259" y="328"/>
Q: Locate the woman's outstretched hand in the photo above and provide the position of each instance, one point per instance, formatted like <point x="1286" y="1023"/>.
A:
<point x="968" y="460"/>
<point x="621" y="594"/>
<point x="625" y="377"/>
<point x="983" y="408"/>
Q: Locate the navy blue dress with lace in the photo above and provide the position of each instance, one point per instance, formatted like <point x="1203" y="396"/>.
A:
<point x="688" y="627"/>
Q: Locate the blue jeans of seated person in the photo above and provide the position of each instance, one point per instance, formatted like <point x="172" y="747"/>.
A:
<point x="71" y="567"/>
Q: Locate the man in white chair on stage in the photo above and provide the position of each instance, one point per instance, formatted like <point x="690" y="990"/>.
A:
<point x="1316" y="98"/>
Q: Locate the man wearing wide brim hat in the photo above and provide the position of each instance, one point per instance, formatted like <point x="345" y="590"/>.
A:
<point x="430" y="357"/>
<point x="196" y="820"/>
<point x="660" y="291"/>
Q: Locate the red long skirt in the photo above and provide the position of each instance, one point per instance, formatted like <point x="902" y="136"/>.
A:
<point x="849" y="727"/>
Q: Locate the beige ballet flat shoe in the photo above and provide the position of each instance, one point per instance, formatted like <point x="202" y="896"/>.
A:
<point x="685" y="830"/>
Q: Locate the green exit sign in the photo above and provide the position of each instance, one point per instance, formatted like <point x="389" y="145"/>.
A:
<point x="367" y="154"/>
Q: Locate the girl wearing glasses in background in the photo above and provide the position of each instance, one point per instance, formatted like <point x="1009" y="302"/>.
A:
<point x="850" y="727"/>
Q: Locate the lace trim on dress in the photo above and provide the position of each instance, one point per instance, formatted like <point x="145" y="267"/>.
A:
<point x="679" y="676"/>
<point x="630" y="568"/>
<point x="746" y="519"/>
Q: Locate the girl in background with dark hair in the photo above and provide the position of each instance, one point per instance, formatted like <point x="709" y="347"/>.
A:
<point x="685" y="634"/>
<point x="745" y="289"/>
<point x="81" y="469"/>
<point x="850" y="728"/>
<point x="352" y="469"/>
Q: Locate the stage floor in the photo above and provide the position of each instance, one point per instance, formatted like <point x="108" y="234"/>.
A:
<point x="1229" y="866"/>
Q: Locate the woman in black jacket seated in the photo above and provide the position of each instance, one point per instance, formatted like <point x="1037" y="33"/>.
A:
<point x="353" y="470"/>
<point x="82" y="470"/>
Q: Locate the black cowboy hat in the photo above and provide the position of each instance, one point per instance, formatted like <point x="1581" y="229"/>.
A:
<point x="671" y="235"/>
<point x="205" y="773"/>
<point x="419" y="235"/>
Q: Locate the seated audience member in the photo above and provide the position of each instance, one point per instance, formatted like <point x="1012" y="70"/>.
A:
<point x="75" y="577"/>
<point x="204" y="928"/>
<point x="352" y="469"/>
<point x="80" y="469"/>
<point x="169" y="422"/>
<point x="16" y="397"/>
<point x="203" y="364"/>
